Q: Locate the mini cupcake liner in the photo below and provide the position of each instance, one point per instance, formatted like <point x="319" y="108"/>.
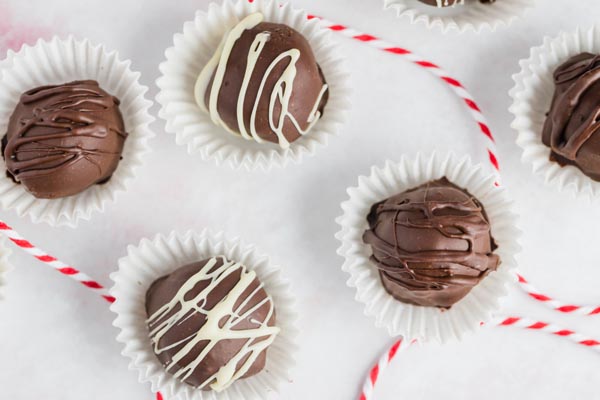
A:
<point x="195" y="46"/>
<point x="152" y="259"/>
<point x="532" y="97"/>
<point x="417" y="322"/>
<point x="471" y="16"/>
<point x="61" y="61"/>
<point x="5" y="266"/>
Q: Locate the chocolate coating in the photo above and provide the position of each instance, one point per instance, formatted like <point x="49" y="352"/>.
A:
<point x="272" y="65"/>
<point x="188" y="343"/>
<point x="63" y="139"/>
<point x="432" y="244"/>
<point x="450" y="3"/>
<point x="573" y="124"/>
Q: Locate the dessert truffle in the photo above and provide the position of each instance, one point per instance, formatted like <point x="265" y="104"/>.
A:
<point x="432" y="244"/>
<point x="572" y="128"/>
<point x="263" y="83"/>
<point x="450" y="3"/>
<point x="210" y="323"/>
<point x="63" y="139"/>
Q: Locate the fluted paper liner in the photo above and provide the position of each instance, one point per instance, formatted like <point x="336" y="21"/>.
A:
<point x="471" y="16"/>
<point x="5" y="266"/>
<point x="417" y="322"/>
<point x="532" y="97"/>
<point x="195" y="46"/>
<point x="152" y="259"/>
<point x="61" y="61"/>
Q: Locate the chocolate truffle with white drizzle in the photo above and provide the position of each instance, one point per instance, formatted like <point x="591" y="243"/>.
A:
<point x="263" y="83"/>
<point x="211" y="323"/>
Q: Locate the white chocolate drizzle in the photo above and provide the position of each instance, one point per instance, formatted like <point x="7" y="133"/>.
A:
<point x="281" y="94"/>
<point x="445" y="3"/>
<point x="161" y="322"/>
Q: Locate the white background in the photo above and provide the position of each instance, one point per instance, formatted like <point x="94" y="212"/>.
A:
<point x="56" y="338"/>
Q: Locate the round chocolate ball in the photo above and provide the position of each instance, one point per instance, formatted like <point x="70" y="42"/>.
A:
<point x="63" y="139"/>
<point x="432" y="244"/>
<point x="210" y="323"/>
<point x="572" y="128"/>
<point x="263" y="83"/>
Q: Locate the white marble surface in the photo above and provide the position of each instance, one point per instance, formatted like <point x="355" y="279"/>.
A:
<point x="56" y="338"/>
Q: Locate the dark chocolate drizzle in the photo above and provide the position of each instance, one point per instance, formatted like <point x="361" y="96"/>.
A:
<point x="69" y="116"/>
<point x="444" y="226"/>
<point x="574" y="116"/>
<point x="56" y="127"/>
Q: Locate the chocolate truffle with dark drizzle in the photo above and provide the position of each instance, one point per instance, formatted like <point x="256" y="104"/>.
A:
<point x="63" y="139"/>
<point x="572" y="129"/>
<point x="432" y="244"/>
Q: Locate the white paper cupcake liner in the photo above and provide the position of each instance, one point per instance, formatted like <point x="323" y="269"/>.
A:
<point x="195" y="46"/>
<point x="416" y="322"/>
<point x="5" y="266"/>
<point x="471" y="16"/>
<point x="61" y="61"/>
<point x="532" y="97"/>
<point x="159" y="257"/>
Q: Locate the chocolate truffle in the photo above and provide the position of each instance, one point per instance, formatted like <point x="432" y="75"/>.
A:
<point x="432" y="244"/>
<point x="263" y="83"/>
<point x="572" y="129"/>
<point x="450" y="3"/>
<point x="211" y="323"/>
<point x="63" y="139"/>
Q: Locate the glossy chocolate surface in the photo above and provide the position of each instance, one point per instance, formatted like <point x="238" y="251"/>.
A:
<point x="63" y="139"/>
<point x="432" y="244"/>
<point x="572" y="128"/>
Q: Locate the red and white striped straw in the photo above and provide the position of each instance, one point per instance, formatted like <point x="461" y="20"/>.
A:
<point x="58" y="265"/>
<point x="53" y="262"/>
<point x="555" y="304"/>
<point x="384" y="361"/>
<point x="434" y="69"/>
<point x="529" y="324"/>
<point x="524" y="323"/>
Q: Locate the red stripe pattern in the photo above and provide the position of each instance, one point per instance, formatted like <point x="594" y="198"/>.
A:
<point x="68" y="271"/>
<point x="24" y="244"/>
<point x="555" y="304"/>
<point x="374" y="374"/>
<point x="46" y="258"/>
<point x="524" y="323"/>
<point x="365" y="37"/>
<point x="509" y="321"/>
<point x="397" y="50"/>
<point x="377" y="369"/>
<point x="393" y="350"/>
<point x="54" y="262"/>
<point x="433" y="68"/>
<point x="551" y="329"/>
